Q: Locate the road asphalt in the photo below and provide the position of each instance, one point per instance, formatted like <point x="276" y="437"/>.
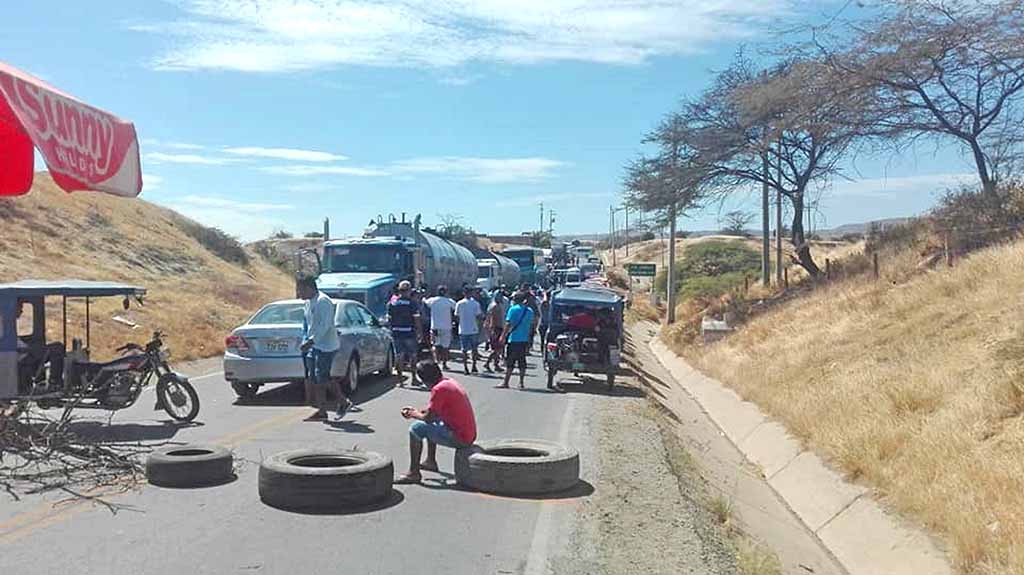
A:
<point x="429" y="528"/>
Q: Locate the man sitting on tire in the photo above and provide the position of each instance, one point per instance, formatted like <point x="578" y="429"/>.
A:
<point x="448" y="421"/>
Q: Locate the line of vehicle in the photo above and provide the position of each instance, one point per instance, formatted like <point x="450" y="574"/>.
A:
<point x="46" y="514"/>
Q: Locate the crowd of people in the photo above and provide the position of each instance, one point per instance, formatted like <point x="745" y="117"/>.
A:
<point x="505" y="323"/>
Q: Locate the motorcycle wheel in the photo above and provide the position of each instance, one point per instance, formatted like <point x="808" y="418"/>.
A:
<point x="178" y="398"/>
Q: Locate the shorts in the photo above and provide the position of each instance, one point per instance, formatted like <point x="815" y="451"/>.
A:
<point x="443" y="338"/>
<point x="468" y="341"/>
<point x="318" y="365"/>
<point x="515" y="354"/>
<point x="405" y="346"/>
<point x="435" y="432"/>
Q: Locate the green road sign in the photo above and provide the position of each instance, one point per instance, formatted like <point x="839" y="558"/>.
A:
<point x="641" y="270"/>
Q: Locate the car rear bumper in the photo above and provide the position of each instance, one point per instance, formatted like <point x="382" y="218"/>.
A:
<point x="263" y="369"/>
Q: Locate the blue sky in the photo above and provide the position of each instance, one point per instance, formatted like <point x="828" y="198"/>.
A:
<point x="256" y="115"/>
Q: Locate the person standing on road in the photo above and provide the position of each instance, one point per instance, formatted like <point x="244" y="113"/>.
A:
<point x="448" y="421"/>
<point x="319" y="345"/>
<point x="404" y="319"/>
<point x="494" y="325"/>
<point x="517" y="336"/>
<point x="532" y="303"/>
<point x="469" y="314"/>
<point x="442" y="308"/>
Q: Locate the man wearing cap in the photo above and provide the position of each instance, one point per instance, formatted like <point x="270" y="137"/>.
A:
<point x="404" y="319"/>
<point x="441" y="308"/>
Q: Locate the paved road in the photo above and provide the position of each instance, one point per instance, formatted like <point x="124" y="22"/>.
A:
<point x="433" y="528"/>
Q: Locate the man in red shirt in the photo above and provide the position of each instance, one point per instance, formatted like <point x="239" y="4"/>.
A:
<point x="448" y="421"/>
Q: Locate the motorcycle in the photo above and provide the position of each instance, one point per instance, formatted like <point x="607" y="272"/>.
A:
<point x="118" y="384"/>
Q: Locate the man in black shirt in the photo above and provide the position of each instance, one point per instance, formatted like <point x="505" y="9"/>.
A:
<point x="404" y="319"/>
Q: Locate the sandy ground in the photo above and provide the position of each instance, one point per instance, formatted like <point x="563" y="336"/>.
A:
<point x="642" y="517"/>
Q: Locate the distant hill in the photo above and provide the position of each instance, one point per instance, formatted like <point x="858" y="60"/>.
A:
<point x="201" y="282"/>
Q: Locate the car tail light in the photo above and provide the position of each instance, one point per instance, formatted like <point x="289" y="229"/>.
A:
<point x="236" y="342"/>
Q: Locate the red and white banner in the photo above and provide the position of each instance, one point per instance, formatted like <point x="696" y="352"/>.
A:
<point x="85" y="148"/>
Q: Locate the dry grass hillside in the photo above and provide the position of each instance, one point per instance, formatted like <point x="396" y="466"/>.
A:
<point x="915" y="388"/>
<point x="194" y="296"/>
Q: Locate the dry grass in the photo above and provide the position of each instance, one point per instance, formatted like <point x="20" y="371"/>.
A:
<point x="194" y="296"/>
<point x="912" y="386"/>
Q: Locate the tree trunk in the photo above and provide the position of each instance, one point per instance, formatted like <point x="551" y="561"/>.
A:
<point x="988" y="185"/>
<point x="799" y="239"/>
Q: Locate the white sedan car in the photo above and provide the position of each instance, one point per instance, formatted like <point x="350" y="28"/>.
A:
<point x="266" y="348"/>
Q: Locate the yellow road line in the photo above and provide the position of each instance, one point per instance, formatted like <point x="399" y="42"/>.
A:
<point x="46" y="514"/>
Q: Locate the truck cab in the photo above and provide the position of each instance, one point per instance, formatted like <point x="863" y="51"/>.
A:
<point x="366" y="269"/>
<point x="488" y="274"/>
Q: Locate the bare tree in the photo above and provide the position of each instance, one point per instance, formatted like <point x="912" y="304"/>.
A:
<point x="796" y="117"/>
<point x="735" y="222"/>
<point x="941" y="68"/>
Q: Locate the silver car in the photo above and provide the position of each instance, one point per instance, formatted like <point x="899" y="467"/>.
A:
<point x="266" y="348"/>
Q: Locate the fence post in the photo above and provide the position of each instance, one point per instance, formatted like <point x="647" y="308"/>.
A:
<point x="785" y="278"/>
<point x="945" y="247"/>
<point x="874" y="263"/>
<point x="828" y="269"/>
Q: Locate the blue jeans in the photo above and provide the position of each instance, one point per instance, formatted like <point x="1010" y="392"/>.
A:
<point x="436" y="432"/>
<point x="318" y="365"/>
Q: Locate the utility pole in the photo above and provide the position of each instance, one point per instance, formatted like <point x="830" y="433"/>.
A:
<point x="778" y="224"/>
<point x="541" y="228"/>
<point x="611" y="232"/>
<point x="670" y="286"/>
<point x="551" y="224"/>
<point x="766" y="220"/>
<point x="327" y="229"/>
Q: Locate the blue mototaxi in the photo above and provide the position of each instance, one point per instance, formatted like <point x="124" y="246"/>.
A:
<point x="28" y="359"/>
<point x="585" y="333"/>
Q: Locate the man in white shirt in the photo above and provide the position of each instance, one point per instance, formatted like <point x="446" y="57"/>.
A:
<point x="469" y="313"/>
<point x="320" y="344"/>
<point x="441" y="309"/>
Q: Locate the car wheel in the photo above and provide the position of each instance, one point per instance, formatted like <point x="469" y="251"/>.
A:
<point x="319" y="480"/>
<point x="245" y="391"/>
<point x="190" y="466"/>
<point x="351" y="383"/>
<point x="517" y="467"/>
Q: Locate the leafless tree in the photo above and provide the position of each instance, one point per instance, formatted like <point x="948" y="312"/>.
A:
<point x="796" y="117"/>
<point x="940" y="68"/>
<point x="735" y="222"/>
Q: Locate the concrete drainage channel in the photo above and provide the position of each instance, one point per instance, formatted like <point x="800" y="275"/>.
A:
<point x="328" y="481"/>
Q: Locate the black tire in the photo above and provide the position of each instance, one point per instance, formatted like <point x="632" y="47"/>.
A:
<point x="349" y="385"/>
<point x="194" y="465"/>
<point x="325" y="480"/>
<point x="171" y="401"/>
<point x="517" y="467"/>
<point x="245" y="391"/>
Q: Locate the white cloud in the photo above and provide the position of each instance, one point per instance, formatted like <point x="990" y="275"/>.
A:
<point x="170" y="145"/>
<point x="882" y="187"/>
<point x="232" y="205"/>
<point x="162" y="158"/>
<point x="483" y="170"/>
<point x="151" y="181"/>
<point x="285" y="154"/>
<point x="282" y="35"/>
<point x="307" y="170"/>
<point x="550" y="199"/>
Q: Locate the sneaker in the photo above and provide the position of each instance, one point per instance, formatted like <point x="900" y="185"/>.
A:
<point x="343" y="409"/>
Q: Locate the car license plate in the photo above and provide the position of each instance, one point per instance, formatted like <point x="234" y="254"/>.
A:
<point x="276" y="345"/>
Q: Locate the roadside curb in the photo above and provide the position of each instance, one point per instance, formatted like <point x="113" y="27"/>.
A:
<point x="863" y="537"/>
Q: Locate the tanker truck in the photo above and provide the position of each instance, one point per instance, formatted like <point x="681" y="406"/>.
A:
<point x="366" y="269"/>
<point x="494" y="270"/>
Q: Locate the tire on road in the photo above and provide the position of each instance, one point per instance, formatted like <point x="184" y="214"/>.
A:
<point x="517" y="467"/>
<point x="193" y="465"/>
<point x="325" y="480"/>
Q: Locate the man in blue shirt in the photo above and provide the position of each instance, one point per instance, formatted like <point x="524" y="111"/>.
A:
<point x="518" y="325"/>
